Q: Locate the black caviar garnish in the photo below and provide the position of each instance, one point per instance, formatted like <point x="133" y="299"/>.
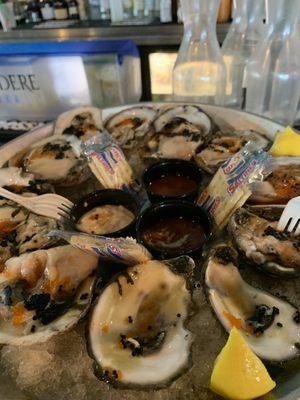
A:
<point x="32" y="330"/>
<point x="178" y="315"/>
<point x="130" y="320"/>
<point x="296" y="317"/>
<point x="225" y="255"/>
<point x="84" y="296"/>
<point x="37" y="302"/>
<point x="279" y="324"/>
<point x="263" y="318"/>
<point x="115" y="374"/>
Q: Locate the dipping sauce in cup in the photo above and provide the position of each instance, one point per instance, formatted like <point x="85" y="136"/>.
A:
<point x="172" y="179"/>
<point x="174" y="228"/>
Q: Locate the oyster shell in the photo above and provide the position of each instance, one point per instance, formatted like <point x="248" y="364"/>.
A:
<point x="83" y="122"/>
<point x="130" y="126"/>
<point x="254" y="312"/>
<point x="224" y="145"/>
<point x="43" y="293"/>
<point x="56" y="160"/>
<point x="281" y="185"/>
<point x="179" y="131"/>
<point x="137" y="333"/>
<point x="259" y="240"/>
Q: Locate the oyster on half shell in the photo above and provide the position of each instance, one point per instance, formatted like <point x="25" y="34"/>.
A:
<point x="22" y="231"/>
<point x="82" y="122"/>
<point x="269" y="324"/>
<point x="130" y="126"/>
<point x="43" y="293"/>
<point x="179" y="131"/>
<point x="259" y="240"/>
<point x="281" y="185"/>
<point x="224" y="145"/>
<point x="137" y="333"/>
<point x="56" y="160"/>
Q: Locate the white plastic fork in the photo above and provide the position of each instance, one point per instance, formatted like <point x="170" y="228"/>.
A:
<point x="290" y="218"/>
<point x="48" y="205"/>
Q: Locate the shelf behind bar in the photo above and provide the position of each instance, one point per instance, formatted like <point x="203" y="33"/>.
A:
<point x="146" y="35"/>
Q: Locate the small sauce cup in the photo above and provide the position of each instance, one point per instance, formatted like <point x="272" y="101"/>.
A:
<point x="172" y="180"/>
<point x="174" y="228"/>
<point x="102" y="198"/>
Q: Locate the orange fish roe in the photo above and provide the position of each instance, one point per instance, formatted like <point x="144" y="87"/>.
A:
<point x="7" y="227"/>
<point x="249" y="329"/>
<point x="18" y="311"/>
<point x="104" y="328"/>
<point x="120" y="375"/>
<point x="234" y="322"/>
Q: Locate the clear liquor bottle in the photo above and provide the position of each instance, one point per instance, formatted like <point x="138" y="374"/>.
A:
<point x="273" y="72"/>
<point x="199" y="73"/>
<point x="245" y="32"/>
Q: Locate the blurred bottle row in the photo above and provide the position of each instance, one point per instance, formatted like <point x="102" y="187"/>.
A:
<point x="258" y="66"/>
<point x="110" y="11"/>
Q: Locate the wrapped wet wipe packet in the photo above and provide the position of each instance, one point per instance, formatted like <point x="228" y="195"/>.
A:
<point x="122" y="250"/>
<point x="231" y="185"/>
<point x="108" y="163"/>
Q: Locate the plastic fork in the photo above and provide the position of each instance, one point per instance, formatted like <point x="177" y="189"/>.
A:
<point x="290" y="218"/>
<point x="48" y="205"/>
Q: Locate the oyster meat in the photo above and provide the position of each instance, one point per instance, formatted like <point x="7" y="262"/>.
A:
<point x="14" y="177"/>
<point x="224" y="145"/>
<point x="31" y="234"/>
<point x="130" y="126"/>
<point x="259" y="240"/>
<point x="281" y="185"/>
<point x="83" y="122"/>
<point x="22" y="231"/>
<point x="137" y="333"/>
<point x="56" y="160"/>
<point x="270" y="325"/>
<point x="179" y="131"/>
<point x="43" y="293"/>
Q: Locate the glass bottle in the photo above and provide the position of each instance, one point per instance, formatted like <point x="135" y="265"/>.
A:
<point x="157" y="9"/>
<point x="245" y="31"/>
<point x="60" y="9"/>
<point x="47" y="10"/>
<point x="73" y="9"/>
<point x="18" y="12"/>
<point x="149" y="11"/>
<point x="94" y="10"/>
<point x="165" y="11"/>
<point x="117" y="10"/>
<point x="34" y="12"/>
<point x="127" y="9"/>
<point x="138" y="9"/>
<point x="104" y="10"/>
<point x="273" y="72"/>
<point x="199" y="72"/>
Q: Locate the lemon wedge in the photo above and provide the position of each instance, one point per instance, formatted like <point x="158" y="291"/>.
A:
<point x="287" y="143"/>
<point x="238" y="373"/>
